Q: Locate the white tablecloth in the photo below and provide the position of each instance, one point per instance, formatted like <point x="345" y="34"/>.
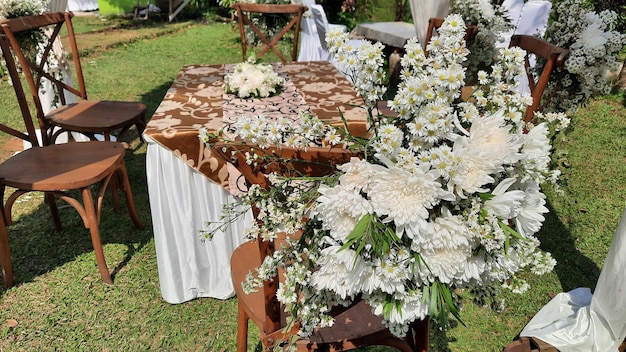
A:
<point x="182" y="200"/>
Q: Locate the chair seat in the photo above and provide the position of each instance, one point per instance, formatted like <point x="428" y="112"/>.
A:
<point x="96" y="115"/>
<point x="38" y="169"/>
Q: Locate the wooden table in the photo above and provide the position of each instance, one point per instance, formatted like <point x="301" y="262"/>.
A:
<point x="188" y="184"/>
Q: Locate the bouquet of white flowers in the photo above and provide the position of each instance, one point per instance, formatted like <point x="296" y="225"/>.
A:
<point x="252" y="80"/>
<point x="445" y="197"/>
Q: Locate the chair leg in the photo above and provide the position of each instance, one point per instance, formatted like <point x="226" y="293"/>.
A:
<point x="242" y="329"/>
<point x="92" y="220"/>
<point x="54" y="210"/>
<point x="125" y="184"/>
<point x="5" y="255"/>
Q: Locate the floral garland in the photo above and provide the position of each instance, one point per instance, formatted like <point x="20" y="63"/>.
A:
<point x="250" y="80"/>
<point x="446" y="197"/>
<point x="20" y="8"/>
<point x="594" y="48"/>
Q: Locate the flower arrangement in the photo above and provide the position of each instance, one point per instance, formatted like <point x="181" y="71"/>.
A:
<point x="491" y="22"/>
<point x="595" y="46"/>
<point x="252" y="80"/>
<point x="446" y="196"/>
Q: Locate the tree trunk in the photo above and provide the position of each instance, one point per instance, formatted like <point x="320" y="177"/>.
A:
<point x="400" y="10"/>
<point x="621" y="78"/>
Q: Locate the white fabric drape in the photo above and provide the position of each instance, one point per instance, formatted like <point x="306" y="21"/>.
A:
<point x="423" y="10"/>
<point x="312" y="43"/>
<point x="323" y="27"/>
<point x="57" y="5"/>
<point x="578" y="321"/>
<point x="182" y="200"/>
<point x="534" y="18"/>
<point x="512" y="10"/>
<point x="309" y="40"/>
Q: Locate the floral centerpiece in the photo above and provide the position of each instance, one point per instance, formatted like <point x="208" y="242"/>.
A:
<point x="252" y="80"/>
<point x="446" y="196"/>
<point x="595" y="46"/>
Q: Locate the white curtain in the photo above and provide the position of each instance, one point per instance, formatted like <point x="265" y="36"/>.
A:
<point x="423" y="10"/>
<point x="578" y="321"/>
<point x="57" y="6"/>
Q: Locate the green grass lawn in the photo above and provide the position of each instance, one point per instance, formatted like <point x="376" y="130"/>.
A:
<point x="60" y="303"/>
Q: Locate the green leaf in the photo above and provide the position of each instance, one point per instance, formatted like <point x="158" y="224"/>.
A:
<point x="486" y="196"/>
<point x="358" y="232"/>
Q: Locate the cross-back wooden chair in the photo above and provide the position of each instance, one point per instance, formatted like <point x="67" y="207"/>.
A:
<point x="554" y="62"/>
<point x="56" y="169"/>
<point x="243" y="11"/>
<point x="355" y="326"/>
<point x="87" y="117"/>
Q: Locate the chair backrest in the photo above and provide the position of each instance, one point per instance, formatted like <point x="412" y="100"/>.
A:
<point x="435" y="23"/>
<point x="40" y="66"/>
<point x="243" y="11"/>
<point x="293" y="162"/>
<point x="554" y="57"/>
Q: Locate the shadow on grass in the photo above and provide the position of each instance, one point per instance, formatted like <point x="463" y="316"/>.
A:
<point x="153" y="98"/>
<point x="573" y="268"/>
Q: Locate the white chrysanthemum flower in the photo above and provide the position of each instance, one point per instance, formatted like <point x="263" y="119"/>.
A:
<point x="357" y="174"/>
<point x="530" y="216"/>
<point x="505" y="204"/>
<point x="339" y="271"/>
<point x="447" y="251"/>
<point x="340" y="209"/>
<point x="490" y="138"/>
<point x="403" y="196"/>
<point x="474" y="171"/>
<point x="536" y="149"/>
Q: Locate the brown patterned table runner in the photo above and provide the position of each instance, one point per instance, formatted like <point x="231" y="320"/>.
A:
<point x="196" y="99"/>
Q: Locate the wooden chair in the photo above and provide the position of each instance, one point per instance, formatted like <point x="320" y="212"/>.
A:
<point x="54" y="169"/>
<point x="243" y="9"/>
<point x="554" y="57"/>
<point x="88" y="117"/>
<point x="533" y="344"/>
<point x="355" y="326"/>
